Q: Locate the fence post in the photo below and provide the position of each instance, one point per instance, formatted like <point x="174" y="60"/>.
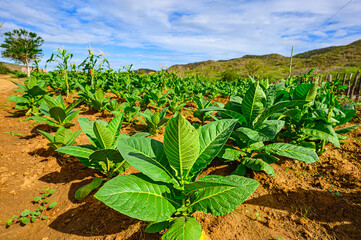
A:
<point x="330" y="78"/>
<point x="358" y="91"/>
<point x="354" y="84"/>
<point x="344" y="79"/>
<point x="349" y="85"/>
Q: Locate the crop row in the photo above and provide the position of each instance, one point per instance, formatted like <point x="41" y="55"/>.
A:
<point x="294" y="118"/>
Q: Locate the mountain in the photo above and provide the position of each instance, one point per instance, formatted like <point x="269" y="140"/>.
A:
<point x="338" y="59"/>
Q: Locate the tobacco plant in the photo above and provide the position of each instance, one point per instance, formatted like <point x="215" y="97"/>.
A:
<point x="57" y="114"/>
<point x="157" y="98"/>
<point x="166" y="191"/>
<point x="154" y="121"/>
<point x="130" y="113"/>
<point x="254" y="128"/>
<point x="175" y="105"/>
<point x="101" y="154"/>
<point x="62" y="58"/>
<point x="98" y="101"/>
<point x="315" y="122"/>
<point x="202" y="104"/>
<point x="63" y="137"/>
<point x="114" y="107"/>
<point x="131" y="99"/>
<point x="32" y="97"/>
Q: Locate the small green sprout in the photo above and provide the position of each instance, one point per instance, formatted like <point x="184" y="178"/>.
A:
<point x="30" y="216"/>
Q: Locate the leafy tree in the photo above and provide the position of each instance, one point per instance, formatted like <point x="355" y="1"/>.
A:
<point x="22" y="46"/>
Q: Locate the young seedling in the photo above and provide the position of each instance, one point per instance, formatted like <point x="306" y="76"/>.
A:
<point x="257" y="217"/>
<point x="304" y="212"/>
<point x="44" y="204"/>
<point x="13" y="133"/>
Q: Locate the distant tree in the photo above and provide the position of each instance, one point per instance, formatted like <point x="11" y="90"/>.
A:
<point x="22" y="46"/>
<point x="230" y="74"/>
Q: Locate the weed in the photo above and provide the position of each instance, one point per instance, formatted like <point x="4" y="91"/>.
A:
<point x="257" y="217"/>
<point x="334" y="192"/>
<point x="30" y="216"/>
<point x="304" y="212"/>
<point x="13" y="133"/>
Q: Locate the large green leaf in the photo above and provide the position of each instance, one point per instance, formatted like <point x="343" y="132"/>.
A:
<point x="347" y="129"/>
<point x="146" y="155"/>
<point x="84" y="191"/>
<point x="87" y="127"/>
<point x="63" y="135"/>
<point x="231" y="114"/>
<point x="305" y="91"/>
<point x="74" y="136"/>
<point x="278" y="107"/>
<point x="17" y="99"/>
<point x="36" y="91"/>
<point x="48" y="136"/>
<point x="246" y="134"/>
<point x="40" y="119"/>
<point x="269" y="129"/>
<point x="349" y="110"/>
<point x="154" y="227"/>
<point x="229" y="153"/>
<point x="219" y="195"/>
<point x="240" y="170"/>
<point x="108" y="156"/>
<point x="227" y="113"/>
<point x="292" y="151"/>
<point x="72" y="105"/>
<point x="258" y="165"/>
<point x="115" y="125"/>
<point x="212" y="138"/>
<point x="104" y="136"/>
<point x="82" y="151"/>
<point x="181" y="145"/>
<point x="139" y="197"/>
<point x="253" y="103"/>
<point x="183" y="228"/>
<point x="71" y="115"/>
<point x="268" y="158"/>
<point x="323" y="132"/>
<point x="58" y="114"/>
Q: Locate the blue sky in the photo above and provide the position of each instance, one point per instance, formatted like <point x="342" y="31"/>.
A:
<point x="158" y="34"/>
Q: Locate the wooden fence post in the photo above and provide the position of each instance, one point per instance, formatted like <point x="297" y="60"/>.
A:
<point x="344" y="78"/>
<point x="354" y="84"/>
<point x="330" y="78"/>
<point x="349" y="85"/>
<point x="358" y="91"/>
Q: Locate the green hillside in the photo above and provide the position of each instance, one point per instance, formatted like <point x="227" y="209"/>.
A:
<point x="274" y="66"/>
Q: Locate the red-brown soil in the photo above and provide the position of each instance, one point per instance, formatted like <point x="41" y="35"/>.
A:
<point x="304" y="201"/>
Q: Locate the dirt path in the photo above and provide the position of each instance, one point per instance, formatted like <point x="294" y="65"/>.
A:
<point x="6" y="84"/>
<point x="304" y="201"/>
